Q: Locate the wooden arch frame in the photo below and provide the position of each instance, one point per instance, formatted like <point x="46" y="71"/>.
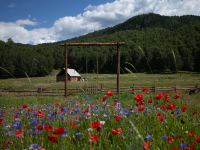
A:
<point x="117" y="44"/>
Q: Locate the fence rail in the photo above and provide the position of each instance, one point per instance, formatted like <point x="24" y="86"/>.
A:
<point x="92" y="89"/>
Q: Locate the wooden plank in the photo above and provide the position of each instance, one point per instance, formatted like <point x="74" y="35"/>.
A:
<point x="94" y="44"/>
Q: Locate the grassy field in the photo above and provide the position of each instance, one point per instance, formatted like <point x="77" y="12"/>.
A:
<point x="129" y="121"/>
<point x="132" y="120"/>
<point x="107" y="80"/>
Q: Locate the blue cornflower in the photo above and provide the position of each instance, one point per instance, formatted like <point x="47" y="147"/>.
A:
<point x="34" y="122"/>
<point x="33" y="146"/>
<point x="76" y="110"/>
<point x="65" y="109"/>
<point x="164" y="137"/>
<point x="88" y="98"/>
<point x="127" y="113"/>
<point x="62" y="116"/>
<point x="148" y="137"/>
<point x="183" y="145"/>
<point x="178" y="111"/>
<point x="51" y="115"/>
<point x="17" y="113"/>
<point x="78" y="133"/>
<point x="17" y="125"/>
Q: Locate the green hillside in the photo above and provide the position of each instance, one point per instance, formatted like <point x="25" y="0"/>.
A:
<point x="154" y="43"/>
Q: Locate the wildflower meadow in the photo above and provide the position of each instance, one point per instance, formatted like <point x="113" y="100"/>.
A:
<point x="133" y="120"/>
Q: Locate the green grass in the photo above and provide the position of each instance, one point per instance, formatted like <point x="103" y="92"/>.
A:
<point x="134" y="127"/>
<point x="107" y="80"/>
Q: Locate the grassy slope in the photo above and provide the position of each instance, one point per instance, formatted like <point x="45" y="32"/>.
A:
<point x="180" y="79"/>
<point x="108" y="80"/>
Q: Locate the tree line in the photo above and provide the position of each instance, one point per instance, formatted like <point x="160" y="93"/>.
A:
<point x="154" y="44"/>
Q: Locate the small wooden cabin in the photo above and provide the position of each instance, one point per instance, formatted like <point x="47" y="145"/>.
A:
<point x="72" y="75"/>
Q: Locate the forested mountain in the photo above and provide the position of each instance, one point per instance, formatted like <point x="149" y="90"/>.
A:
<point x="154" y="43"/>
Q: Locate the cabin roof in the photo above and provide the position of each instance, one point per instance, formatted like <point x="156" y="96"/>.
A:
<point x="70" y="72"/>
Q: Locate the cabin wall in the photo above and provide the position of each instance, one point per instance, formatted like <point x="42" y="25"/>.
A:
<point x="62" y="78"/>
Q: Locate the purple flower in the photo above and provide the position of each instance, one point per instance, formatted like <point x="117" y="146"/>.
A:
<point x="33" y="146"/>
<point x="183" y="145"/>
<point x="164" y="137"/>
<point x="17" y="125"/>
<point x="51" y="115"/>
<point x="178" y="111"/>
<point x="34" y="122"/>
<point x="65" y="109"/>
<point x="62" y="116"/>
<point x="78" y="133"/>
<point x="17" y="113"/>
<point x="148" y="137"/>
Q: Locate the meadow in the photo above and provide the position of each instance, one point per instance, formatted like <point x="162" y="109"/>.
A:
<point x="132" y="120"/>
<point x="107" y="80"/>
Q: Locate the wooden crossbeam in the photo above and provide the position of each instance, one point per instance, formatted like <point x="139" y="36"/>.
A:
<point x="117" y="44"/>
<point x="93" y="44"/>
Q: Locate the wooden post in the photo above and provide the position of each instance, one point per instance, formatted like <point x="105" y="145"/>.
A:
<point x="97" y="67"/>
<point x="66" y="78"/>
<point x="118" y="68"/>
<point x="94" y="44"/>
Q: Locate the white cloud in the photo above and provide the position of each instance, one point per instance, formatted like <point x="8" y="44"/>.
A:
<point x="26" y="22"/>
<point x="20" y="34"/>
<point x="95" y="18"/>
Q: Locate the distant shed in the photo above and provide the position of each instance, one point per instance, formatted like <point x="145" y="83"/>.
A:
<point x="72" y="75"/>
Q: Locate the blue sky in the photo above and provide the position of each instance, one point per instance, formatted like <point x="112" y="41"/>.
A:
<point x="43" y="11"/>
<point x="41" y="21"/>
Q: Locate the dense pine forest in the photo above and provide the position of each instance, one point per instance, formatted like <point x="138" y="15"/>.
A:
<point x="154" y="44"/>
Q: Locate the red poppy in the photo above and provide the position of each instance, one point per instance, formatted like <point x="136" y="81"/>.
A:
<point x="170" y="139"/>
<point x="94" y="138"/>
<point x="184" y="108"/>
<point x="48" y="128"/>
<point x="138" y="97"/>
<point x="197" y="139"/>
<point x="117" y="131"/>
<point x="160" y="116"/>
<point x="39" y="127"/>
<point x="174" y="148"/>
<point x="162" y="107"/>
<point x="118" y="117"/>
<point x="95" y="124"/>
<point x="140" y="103"/>
<point x="146" y="145"/>
<point x="191" y="134"/>
<point x="24" y="105"/>
<point x="171" y="106"/>
<point x="103" y="98"/>
<point x="150" y="101"/>
<point x="19" y="134"/>
<point x="176" y="96"/>
<point x="1" y="121"/>
<point x="59" y="131"/>
<point x="40" y="114"/>
<point x="159" y="96"/>
<point x="73" y="124"/>
<point x="145" y="89"/>
<point x="53" y="138"/>
<point x="30" y="109"/>
<point x="166" y="98"/>
<point x="140" y="108"/>
<point x="86" y="110"/>
<point x="109" y="93"/>
<point x="192" y="147"/>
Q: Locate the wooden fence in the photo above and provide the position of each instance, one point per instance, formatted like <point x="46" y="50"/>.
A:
<point x="93" y="89"/>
